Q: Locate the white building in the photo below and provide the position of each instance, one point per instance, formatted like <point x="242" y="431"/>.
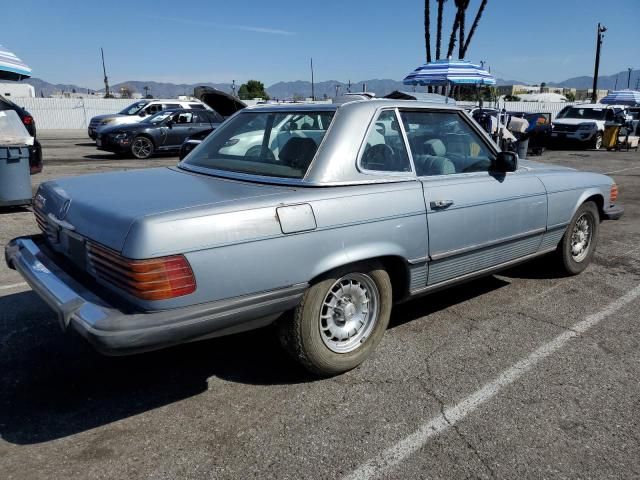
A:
<point x="17" y="90"/>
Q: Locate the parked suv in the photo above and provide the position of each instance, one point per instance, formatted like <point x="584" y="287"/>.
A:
<point x="138" y="111"/>
<point x="584" y="124"/>
<point x="35" y="152"/>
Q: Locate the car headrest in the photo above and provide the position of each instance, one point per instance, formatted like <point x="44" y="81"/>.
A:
<point x="298" y="152"/>
<point x="435" y="147"/>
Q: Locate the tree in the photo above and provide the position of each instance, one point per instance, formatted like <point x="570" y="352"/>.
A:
<point x="252" y="89"/>
<point x="439" y="28"/>
<point x="571" y="97"/>
<point x="474" y="27"/>
<point x="462" y="11"/>
<point x="427" y="29"/>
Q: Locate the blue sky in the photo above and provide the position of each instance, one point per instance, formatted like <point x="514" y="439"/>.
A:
<point x="197" y="40"/>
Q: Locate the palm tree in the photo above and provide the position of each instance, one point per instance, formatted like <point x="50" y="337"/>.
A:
<point x="474" y="27"/>
<point x="462" y="9"/>
<point x="427" y="29"/>
<point x="454" y="29"/>
<point x="439" y="32"/>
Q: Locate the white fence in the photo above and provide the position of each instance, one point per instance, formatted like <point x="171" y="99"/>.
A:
<point x="52" y="113"/>
<point x="69" y="112"/>
<point x="533" y="107"/>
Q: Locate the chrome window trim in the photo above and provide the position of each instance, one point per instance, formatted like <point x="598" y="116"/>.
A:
<point x="372" y="123"/>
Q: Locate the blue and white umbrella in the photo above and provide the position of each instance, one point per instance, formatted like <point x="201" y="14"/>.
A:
<point x="447" y="72"/>
<point x="11" y="67"/>
<point x="622" y="97"/>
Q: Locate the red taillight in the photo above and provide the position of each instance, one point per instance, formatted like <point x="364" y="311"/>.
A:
<point x="154" y="279"/>
<point x="27" y="120"/>
<point x="613" y="195"/>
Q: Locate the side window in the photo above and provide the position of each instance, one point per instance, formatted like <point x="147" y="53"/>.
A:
<point x="385" y="150"/>
<point x="184" y="117"/>
<point x="443" y="143"/>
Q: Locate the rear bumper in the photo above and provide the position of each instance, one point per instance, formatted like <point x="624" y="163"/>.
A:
<point x="115" y="331"/>
<point x="613" y="213"/>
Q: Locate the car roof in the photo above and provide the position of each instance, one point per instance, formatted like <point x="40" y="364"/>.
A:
<point x="373" y="103"/>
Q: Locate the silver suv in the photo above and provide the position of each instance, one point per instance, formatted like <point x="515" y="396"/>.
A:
<point x="138" y="111"/>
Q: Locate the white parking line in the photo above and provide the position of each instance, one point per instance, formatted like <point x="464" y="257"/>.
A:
<point x="618" y="171"/>
<point x="13" y="285"/>
<point x="395" y="454"/>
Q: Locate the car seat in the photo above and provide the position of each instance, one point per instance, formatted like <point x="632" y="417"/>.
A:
<point x="433" y="161"/>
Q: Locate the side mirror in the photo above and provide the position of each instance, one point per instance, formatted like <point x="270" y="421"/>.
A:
<point x="505" y="162"/>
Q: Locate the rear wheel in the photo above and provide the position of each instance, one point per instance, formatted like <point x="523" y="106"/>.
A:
<point x="142" y="147"/>
<point x="340" y="320"/>
<point x="579" y="242"/>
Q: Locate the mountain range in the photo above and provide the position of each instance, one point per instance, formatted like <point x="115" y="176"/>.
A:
<point x="325" y="89"/>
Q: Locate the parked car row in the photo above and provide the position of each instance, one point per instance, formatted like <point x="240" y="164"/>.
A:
<point x="152" y="126"/>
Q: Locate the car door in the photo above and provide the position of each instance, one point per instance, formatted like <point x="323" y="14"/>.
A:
<point x="476" y="219"/>
<point x="182" y="126"/>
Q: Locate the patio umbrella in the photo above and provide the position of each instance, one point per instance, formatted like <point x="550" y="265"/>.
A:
<point x="448" y="72"/>
<point x="11" y="67"/>
<point x="622" y="97"/>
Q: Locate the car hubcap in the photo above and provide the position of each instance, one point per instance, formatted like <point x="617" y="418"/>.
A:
<point x="349" y="312"/>
<point x="581" y="238"/>
<point x="141" y="147"/>
<point x="598" y="142"/>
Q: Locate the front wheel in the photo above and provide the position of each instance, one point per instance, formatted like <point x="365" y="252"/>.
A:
<point x="597" y="142"/>
<point x="142" y="147"/>
<point x="340" y="320"/>
<point x="579" y="242"/>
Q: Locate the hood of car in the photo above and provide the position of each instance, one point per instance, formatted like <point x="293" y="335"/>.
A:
<point x="574" y="121"/>
<point x="104" y="207"/>
<point x="223" y="103"/>
<point x="124" y="127"/>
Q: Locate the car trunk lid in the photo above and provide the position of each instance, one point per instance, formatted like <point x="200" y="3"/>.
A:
<point x="223" y="103"/>
<point x="104" y="206"/>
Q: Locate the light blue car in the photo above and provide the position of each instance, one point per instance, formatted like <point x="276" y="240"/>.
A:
<point x="333" y="215"/>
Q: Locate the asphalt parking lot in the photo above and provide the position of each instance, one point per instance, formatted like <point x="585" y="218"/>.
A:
<point x="526" y="374"/>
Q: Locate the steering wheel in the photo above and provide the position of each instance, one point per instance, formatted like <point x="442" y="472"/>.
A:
<point x="256" y="153"/>
<point x="379" y="154"/>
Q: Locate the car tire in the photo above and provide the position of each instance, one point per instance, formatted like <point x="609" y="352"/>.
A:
<point x="597" y="141"/>
<point x="340" y="319"/>
<point x="142" y="147"/>
<point x="578" y="245"/>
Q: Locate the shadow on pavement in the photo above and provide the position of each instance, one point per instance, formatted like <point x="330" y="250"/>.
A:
<point x="16" y="209"/>
<point x="54" y="385"/>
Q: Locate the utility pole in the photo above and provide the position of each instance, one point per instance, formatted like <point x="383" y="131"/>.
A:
<point x="313" y="91"/>
<point x="146" y="91"/>
<point x="629" y="78"/>
<point x="106" y="80"/>
<point x="233" y="88"/>
<point x="337" y="90"/>
<point x="594" y="93"/>
<point x="615" y="87"/>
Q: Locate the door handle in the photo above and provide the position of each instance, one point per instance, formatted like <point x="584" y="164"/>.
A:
<point x="441" y="204"/>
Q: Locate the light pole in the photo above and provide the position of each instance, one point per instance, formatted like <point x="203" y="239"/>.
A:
<point x="594" y="94"/>
<point x="629" y="78"/>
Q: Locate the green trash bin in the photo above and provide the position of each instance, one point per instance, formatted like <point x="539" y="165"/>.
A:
<point x="15" y="178"/>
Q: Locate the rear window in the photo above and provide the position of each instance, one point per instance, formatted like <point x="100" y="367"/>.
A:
<point x="274" y="144"/>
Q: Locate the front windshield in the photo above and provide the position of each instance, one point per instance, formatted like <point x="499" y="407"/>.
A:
<point x="133" y="109"/>
<point x="583" y="113"/>
<point x="157" y="118"/>
<point x="275" y="144"/>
